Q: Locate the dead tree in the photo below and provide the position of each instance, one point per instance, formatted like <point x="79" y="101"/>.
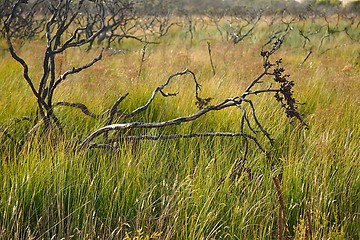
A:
<point x="62" y="33"/>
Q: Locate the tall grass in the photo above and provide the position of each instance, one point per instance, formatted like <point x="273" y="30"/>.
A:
<point x="171" y="189"/>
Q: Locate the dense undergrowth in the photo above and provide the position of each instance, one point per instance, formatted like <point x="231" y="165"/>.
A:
<point x="171" y="189"/>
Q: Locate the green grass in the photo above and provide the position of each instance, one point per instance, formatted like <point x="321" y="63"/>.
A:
<point x="170" y="189"/>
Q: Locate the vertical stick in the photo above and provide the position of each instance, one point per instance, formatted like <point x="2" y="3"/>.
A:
<point x="306" y="58"/>
<point x="308" y="233"/>
<point x="143" y="52"/>
<point x="281" y="215"/>
<point x="211" y="61"/>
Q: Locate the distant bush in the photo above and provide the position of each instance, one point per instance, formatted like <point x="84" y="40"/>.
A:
<point x="353" y="7"/>
<point x="328" y="2"/>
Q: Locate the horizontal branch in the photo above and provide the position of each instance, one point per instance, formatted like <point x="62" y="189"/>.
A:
<point x="177" y="136"/>
<point x="260" y="91"/>
<point x="192" y="135"/>
<point x="121" y="36"/>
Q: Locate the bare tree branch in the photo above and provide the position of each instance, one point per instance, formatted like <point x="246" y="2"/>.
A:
<point x="177" y="136"/>
<point x="80" y="106"/>
<point x="76" y="70"/>
<point x="139" y="125"/>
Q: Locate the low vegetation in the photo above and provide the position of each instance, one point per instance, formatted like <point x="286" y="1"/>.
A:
<point x="306" y="185"/>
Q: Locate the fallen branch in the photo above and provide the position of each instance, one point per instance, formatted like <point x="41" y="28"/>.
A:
<point x="283" y="94"/>
<point x="139" y="125"/>
<point x="177" y="136"/>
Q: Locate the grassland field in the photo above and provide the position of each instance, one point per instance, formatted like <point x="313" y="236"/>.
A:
<point x="170" y="189"/>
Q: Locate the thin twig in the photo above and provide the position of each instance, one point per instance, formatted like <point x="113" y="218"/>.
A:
<point x="257" y="121"/>
<point x="80" y="106"/>
<point x="142" y="60"/>
<point x="77" y="70"/>
<point x="306" y="58"/>
<point x="113" y="109"/>
<point x="238" y="37"/>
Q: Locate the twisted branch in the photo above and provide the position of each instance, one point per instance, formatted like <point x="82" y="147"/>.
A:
<point x="80" y="106"/>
